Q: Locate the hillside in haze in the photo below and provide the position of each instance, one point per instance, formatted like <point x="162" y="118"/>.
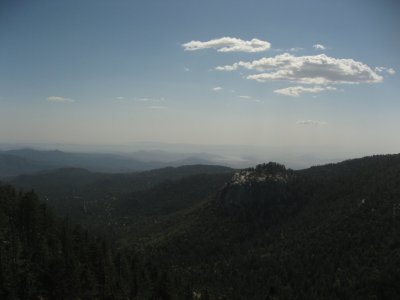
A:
<point x="27" y="161"/>
<point x="327" y="232"/>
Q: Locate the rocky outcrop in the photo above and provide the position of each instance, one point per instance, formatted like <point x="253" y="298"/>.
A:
<point x="265" y="192"/>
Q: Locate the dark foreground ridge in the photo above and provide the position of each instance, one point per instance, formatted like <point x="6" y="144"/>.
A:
<point x="327" y="232"/>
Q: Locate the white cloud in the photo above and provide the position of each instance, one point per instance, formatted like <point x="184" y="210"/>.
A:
<point x="311" y="122"/>
<point x="296" y="49"/>
<point x="120" y="98"/>
<point x="148" y="99"/>
<point x="157" y="107"/>
<point x="295" y="91"/>
<point x="249" y="98"/>
<point x="313" y="69"/>
<point x="217" y="88"/>
<point x="228" y="68"/>
<point x="319" y="47"/>
<point x="390" y="71"/>
<point x="186" y="69"/>
<point x="59" y="99"/>
<point x="229" y="44"/>
<point x="293" y="49"/>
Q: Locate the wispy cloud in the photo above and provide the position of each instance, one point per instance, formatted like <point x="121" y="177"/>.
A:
<point x="229" y="44"/>
<point x="59" y="99"/>
<point x="229" y="68"/>
<point x="217" y="88"/>
<point x="149" y="99"/>
<point x="390" y="71"/>
<point x="313" y="69"/>
<point x="319" y="47"/>
<point x="311" y="122"/>
<point x="249" y="98"/>
<point x="186" y="69"/>
<point x="120" y="98"/>
<point x="293" y="49"/>
<point x="296" y="49"/>
<point x="160" y="107"/>
<point x="295" y="91"/>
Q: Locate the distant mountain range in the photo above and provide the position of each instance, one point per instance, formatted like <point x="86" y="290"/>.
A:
<point x="27" y="161"/>
<point x="236" y="156"/>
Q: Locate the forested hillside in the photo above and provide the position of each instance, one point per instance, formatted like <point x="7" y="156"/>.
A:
<point x="100" y="199"/>
<point x="43" y="256"/>
<point x="327" y="232"/>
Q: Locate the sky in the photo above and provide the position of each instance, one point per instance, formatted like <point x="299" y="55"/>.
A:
<point x="315" y="75"/>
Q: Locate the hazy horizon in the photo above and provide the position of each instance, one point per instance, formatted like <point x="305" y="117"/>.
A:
<point x="238" y="156"/>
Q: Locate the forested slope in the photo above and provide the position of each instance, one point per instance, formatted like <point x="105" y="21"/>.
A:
<point x="327" y="232"/>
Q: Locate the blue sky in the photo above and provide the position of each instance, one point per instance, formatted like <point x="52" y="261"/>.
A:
<point x="99" y="71"/>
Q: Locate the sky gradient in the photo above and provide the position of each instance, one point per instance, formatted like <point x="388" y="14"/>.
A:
<point x="320" y="75"/>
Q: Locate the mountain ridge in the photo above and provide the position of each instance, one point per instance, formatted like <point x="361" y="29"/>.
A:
<point x="27" y="161"/>
<point x="332" y="228"/>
